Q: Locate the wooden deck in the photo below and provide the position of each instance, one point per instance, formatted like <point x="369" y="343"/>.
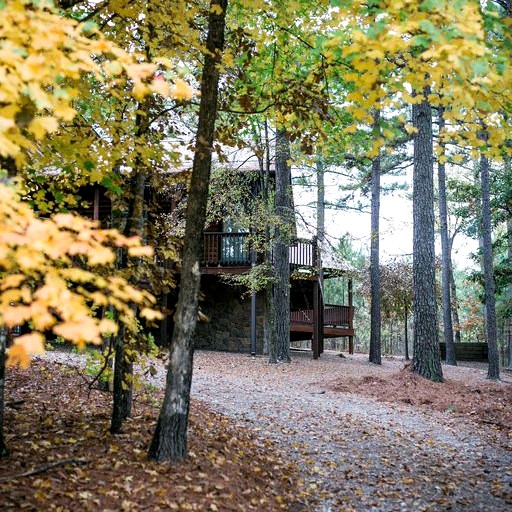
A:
<point x="338" y="321"/>
<point x="224" y="251"/>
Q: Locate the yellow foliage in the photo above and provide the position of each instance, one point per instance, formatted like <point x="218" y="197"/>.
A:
<point x="42" y="54"/>
<point x="41" y="277"/>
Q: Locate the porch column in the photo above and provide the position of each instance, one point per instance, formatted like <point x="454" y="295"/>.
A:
<point x="253" y="306"/>
<point x="96" y="204"/>
<point x="350" y="304"/>
<point x="317" y="330"/>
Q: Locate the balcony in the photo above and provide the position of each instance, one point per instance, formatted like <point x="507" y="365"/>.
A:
<point x="231" y="252"/>
<point x="338" y="321"/>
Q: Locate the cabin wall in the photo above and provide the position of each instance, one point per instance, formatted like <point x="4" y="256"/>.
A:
<point x="229" y="314"/>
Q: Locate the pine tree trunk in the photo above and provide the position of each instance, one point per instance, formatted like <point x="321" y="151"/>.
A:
<point x="493" y="372"/>
<point x="280" y="349"/>
<point x="3" y="345"/>
<point x="455" y="306"/>
<point x="169" y="441"/>
<point x="375" y="313"/>
<point x="445" y="253"/>
<point x="320" y="245"/>
<point x="269" y="331"/>
<point x="406" y="333"/>
<point x="426" y="355"/>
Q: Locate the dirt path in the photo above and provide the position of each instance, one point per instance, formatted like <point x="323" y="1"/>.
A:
<point x="358" y="454"/>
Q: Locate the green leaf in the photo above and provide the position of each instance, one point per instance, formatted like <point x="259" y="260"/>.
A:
<point x="479" y="67"/>
<point x="430" y="28"/>
<point x="429" y="5"/>
<point x="88" y="165"/>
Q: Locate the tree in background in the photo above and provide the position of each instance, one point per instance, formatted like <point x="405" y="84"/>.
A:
<point x="446" y="263"/>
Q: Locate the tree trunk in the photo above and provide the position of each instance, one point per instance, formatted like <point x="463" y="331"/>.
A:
<point x="320" y="245"/>
<point x="280" y="349"/>
<point x="509" y="292"/>
<point x="269" y="331"/>
<point x="375" y="314"/>
<point x="3" y="344"/>
<point x="455" y="306"/>
<point x="426" y="354"/>
<point x="169" y="441"/>
<point x="445" y="253"/>
<point x="123" y="367"/>
<point x="406" y="333"/>
<point x="493" y="372"/>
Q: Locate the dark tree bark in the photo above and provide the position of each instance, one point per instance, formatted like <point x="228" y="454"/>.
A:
<point x="455" y="306"/>
<point x="493" y="372"/>
<point x="169" y="441"/>
<point x="426" y="356"/>
<point x="269" y="331"/>
<point x="509" y="292"/>
<point x="445" y="253"/>
<point x="3" y="345"/>
<point x="320" y="245"/>
<point x="280" y="349"/>
<point x="375" y="313"/>
<point x="406" y="332"/>
<point x="123" y="367"/>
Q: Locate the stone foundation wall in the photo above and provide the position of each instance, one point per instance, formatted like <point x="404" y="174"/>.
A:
<point x="229" y="314"/>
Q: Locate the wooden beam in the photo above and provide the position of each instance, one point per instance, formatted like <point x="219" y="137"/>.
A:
<point x="315" y="342"/>
<point x="351" y="303"/>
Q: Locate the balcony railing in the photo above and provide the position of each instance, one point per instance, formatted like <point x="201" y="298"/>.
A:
<point x="226" y="249"/>
<point x="223" y="249"/>
<point x="336" y="316"/>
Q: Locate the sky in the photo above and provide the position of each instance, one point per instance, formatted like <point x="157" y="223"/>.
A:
<point x="396" y="231"/>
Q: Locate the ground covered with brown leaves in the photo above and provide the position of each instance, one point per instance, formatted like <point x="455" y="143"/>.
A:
<point x="63" y="458"/>
<point x="465" y="394"/>
<point x="334" y="435"/>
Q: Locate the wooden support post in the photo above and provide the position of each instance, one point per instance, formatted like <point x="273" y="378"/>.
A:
<point x="350" y="303"/>
<point x="96" y="205"/>
<point x="351" y="344"/>
<point x="317" y="330"/>
<point x="320" y="317"/>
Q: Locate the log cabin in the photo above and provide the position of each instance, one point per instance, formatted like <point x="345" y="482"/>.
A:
<point x="235" y="320"/>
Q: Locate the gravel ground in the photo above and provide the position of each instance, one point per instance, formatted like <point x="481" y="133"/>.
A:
<point x="357" y="454"/>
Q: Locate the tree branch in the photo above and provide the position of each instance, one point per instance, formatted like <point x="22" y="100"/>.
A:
<point x="42" y="469"/>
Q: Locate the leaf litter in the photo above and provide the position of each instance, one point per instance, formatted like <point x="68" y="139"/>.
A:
<point x="63" y="458"/>
<point x="341" y="435"/>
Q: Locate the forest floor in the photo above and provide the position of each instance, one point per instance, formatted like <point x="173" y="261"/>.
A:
<point x="337" y="434"/>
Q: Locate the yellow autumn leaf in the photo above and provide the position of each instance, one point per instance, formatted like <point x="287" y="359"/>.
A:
<point x="181" y="90"/>
<point x="12" y="281"/>
<point x="32" y="342"/>
<point x="141" y="251"/>
<point x="17" y="355"/>
<point x="160" y="86"/>
<point x="216" y="9"/>
<point x="41" y="126"/>
<point x="79" y="332"/>
<point x="64" y="112"/>
<point x="107" y="326"/>
<point x="151" y="314"/>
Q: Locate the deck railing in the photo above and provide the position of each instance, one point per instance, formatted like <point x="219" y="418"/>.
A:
<point x="226" y="249"/>
<point x="333" y="315"/>
<point x="223" y="249"/>
<point x="303" y="253"/>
